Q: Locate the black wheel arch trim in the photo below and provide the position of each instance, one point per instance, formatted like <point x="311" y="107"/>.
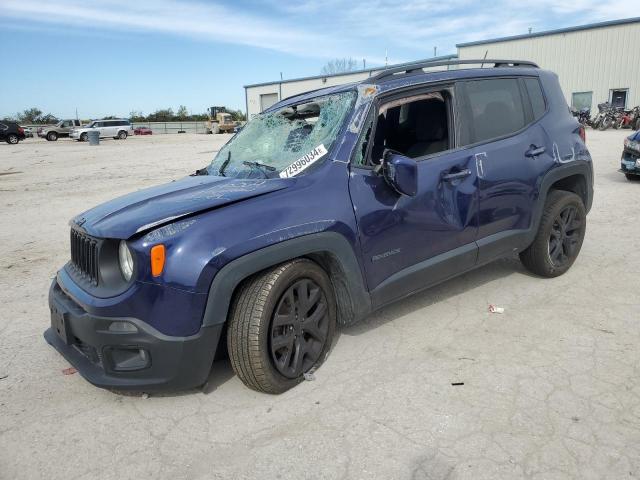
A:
<point x="578" y="167"/>
<point x="330" y="250"/>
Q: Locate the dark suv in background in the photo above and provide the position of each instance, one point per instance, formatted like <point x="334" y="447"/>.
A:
<point x="11" y="132"/>
<point x="329" y="205"/>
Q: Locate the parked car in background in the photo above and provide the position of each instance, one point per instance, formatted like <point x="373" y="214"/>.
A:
<point x="11" y="132"/>
<point x="28" y="132"/>
<point x="117" y="129"/>
<point x="327" y="206"/>
<point x="630" y="163"/>
<point x="60" y="129"/>
<point x="142" y="131"/>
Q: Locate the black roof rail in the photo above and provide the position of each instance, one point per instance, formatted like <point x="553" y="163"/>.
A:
<point x="415" y="67"/>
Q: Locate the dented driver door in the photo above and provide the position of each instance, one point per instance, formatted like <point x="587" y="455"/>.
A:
<point x="410" y="243"/>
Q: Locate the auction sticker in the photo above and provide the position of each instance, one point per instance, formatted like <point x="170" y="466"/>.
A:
<point x="303" y="162"/>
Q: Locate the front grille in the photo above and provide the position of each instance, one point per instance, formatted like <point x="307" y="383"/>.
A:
<point x="84" y="255"/>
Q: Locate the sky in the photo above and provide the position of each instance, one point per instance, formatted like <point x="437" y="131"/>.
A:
<point x="111" y="57"/>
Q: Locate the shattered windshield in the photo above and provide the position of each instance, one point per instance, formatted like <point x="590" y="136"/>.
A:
<point x="284" y="142"/>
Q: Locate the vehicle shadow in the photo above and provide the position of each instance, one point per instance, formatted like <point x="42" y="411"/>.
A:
<point x="221" y="370"/>
<point x="436" y="294"/>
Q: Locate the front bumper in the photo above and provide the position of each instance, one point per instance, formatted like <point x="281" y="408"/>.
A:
<point x="140" y="360"/>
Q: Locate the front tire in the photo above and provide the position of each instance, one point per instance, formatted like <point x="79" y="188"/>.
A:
<point x="52" y="136"/>
<point x="281" y="325"/>
<point x="560" y="235"/>
<point x="84" y="137"/>
<point x="12" y="139"/>
<point x="632" y="177"/>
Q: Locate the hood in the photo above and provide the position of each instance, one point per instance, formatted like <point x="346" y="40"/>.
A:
<point x="146" y="209"/>
<point x="635" y="136"/>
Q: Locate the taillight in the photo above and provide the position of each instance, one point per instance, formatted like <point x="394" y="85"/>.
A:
<point x="20" y="130"/>
<point x="583" y="133"/>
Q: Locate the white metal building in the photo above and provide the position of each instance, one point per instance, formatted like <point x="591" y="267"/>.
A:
<point x="596" y="63"/>
<point x="261" y="96"/>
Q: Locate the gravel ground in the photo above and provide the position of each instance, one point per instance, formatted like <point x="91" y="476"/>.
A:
<point x="551" y="387"/>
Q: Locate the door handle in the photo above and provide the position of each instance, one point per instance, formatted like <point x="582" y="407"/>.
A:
<point x="448" y="177"/>
<point x="535" y="151"/>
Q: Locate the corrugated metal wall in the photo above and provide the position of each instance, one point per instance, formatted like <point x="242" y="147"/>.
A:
<point x="597" y="60"/>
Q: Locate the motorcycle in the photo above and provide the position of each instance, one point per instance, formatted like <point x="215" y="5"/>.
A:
<point x="597" y="120"/>
<point x="584" y="116"/>
<point x="608" y="116"/>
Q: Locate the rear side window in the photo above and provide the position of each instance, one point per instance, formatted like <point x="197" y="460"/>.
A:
<point x="494" y="109"/>
<point x="534" y="90"/>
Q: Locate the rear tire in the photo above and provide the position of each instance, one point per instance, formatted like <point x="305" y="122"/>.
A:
<point x="12" y="139"/>
<point x="122" y="135"/>
<point x="281" y="325"/>
<point x="560" y="235"/>
<point x="52" y="136"/>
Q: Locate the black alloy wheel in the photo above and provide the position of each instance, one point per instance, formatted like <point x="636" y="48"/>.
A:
<point x="299" y="328"/>
<point x="566" y="235"/>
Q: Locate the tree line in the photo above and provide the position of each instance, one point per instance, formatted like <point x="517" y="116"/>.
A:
<point x="35" y="116"/>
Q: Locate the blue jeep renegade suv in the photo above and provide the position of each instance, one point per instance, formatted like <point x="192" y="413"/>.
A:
<point x="329" y="205"/>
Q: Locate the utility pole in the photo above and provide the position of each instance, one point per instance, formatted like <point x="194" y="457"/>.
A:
<point x="364" y="64"/>
<point x="435" y="51"/>
<point x="386" y="57"/>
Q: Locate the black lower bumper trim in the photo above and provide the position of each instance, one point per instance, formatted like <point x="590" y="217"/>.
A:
<point x="174" y="363"/>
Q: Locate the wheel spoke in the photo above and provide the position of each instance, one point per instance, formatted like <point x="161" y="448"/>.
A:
<point x="312" y="324"/>
<point x="571" y="213"/>
<point x="303" y="296"/>
<point x="298" y="356"/>
<point x="281" y="341"/>
<point x="555" y="250"/>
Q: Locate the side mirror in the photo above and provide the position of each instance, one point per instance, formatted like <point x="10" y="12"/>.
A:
<point x="400" y="172"/>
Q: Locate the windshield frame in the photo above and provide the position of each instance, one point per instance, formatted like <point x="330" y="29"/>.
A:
<point x="267" y="169"/>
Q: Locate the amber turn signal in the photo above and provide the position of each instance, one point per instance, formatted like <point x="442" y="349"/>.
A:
<point x="157" y="260"/>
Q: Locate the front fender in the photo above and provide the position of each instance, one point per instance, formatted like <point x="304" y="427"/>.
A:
<point x="332" y="250"/>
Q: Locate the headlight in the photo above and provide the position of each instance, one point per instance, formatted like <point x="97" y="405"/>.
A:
<point x="126" y="260"/>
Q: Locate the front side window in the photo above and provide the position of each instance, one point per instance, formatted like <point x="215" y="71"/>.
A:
<point x="414" y="126"/>
<point x="286" y="141"/>
<point x="494" y="108"/>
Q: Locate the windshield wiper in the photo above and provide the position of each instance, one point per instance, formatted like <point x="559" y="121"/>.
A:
<point x="261" y="166"/>
<point x="224" y="164"/>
